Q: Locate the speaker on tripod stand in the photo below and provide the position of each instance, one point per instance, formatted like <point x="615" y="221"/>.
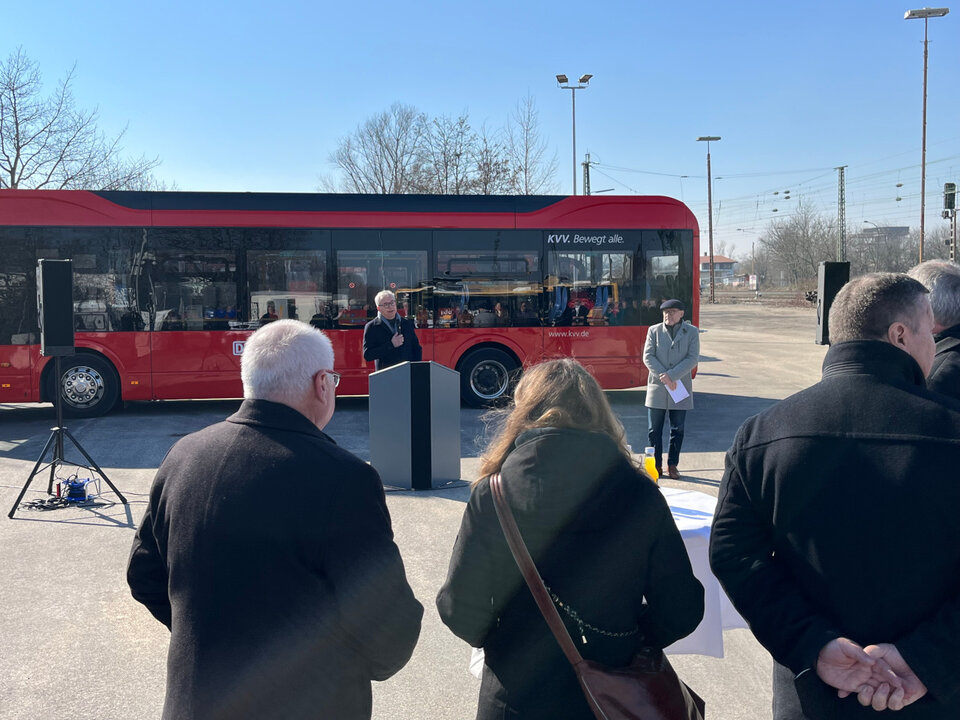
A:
<point x="55" y="314"/>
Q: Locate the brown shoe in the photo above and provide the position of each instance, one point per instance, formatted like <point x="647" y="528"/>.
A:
<point x="672" y="472"/>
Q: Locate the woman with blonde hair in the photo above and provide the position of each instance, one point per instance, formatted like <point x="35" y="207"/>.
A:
<point x="600" y="534"/>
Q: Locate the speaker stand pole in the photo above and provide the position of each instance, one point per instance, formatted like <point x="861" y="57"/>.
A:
<point x="56" y="440"/>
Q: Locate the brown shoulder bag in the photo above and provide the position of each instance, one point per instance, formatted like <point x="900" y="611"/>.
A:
<point x="647" y="689"/>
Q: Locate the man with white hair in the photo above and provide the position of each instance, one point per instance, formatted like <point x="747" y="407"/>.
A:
<point x="268" y="552"/>
<point x="942" y="279"/>
<point x="390" y="339"/>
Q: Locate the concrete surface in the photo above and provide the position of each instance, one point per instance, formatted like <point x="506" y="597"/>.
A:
<point x="76" y="646"/>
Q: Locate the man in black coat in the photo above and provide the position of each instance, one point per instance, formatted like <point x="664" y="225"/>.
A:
<point x="836" y="533"/>
<point x="268" y="552"/>
<point x="942" y="279"/>
<point x="390" y="339"/>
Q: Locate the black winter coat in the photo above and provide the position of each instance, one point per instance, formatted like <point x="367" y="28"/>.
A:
<point x="268" y="552"/>
<point x="838" y="517"/>
<point x="603" y="539"/>
<point x="945" y="373"/>
<point x="377" y="345"/>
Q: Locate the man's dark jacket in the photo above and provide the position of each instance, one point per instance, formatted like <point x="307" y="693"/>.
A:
<point x="838" y="517"/>
<point x="945" y="373"/>
<point x="378" y="347"/>
<point x="603" y="539"/>
<point x="268" y="552"/>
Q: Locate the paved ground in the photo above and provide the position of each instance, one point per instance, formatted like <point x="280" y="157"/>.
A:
<point x="75" y="646"/>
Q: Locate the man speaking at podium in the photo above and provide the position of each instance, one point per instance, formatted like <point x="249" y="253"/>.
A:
<point x="390" y="339"/>
<point x="268" y="552"/>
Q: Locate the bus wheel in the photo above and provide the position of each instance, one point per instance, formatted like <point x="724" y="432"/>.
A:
<point x="486" y="377"/>
<point x="88" y="386"/>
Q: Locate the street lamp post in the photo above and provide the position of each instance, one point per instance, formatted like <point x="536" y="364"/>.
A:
<point x="563" y="83"/>
<point x="713" y="279"/>
<point x="926" y="14"/>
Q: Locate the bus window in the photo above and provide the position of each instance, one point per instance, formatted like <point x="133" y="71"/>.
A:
<point x="479" y="289"/>
<point x="666" y="255"/>
<point x="18" y="289"/>
<point x="289" y="284"/>
<point x="361" y="274"/>
<point x="194" y="279"/>
<point x="104" y="276"/>
<point x="591" y="287"/>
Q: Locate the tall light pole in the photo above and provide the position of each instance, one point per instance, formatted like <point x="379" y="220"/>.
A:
<point x="926" y="14"/>
<point x="563" y="83"/>
<point x="713" y="279"/>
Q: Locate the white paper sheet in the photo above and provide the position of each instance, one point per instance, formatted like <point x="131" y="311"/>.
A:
<point x="679" y="394"/>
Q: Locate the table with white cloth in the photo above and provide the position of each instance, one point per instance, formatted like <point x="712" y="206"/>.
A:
<point x="693" y="513"/>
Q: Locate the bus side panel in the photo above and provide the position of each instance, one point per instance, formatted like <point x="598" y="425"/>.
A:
<point x="129" y="353"/>
<point x="613" y="355"/>
<point x="198" y="364"/>
<point x="16" y="378"/>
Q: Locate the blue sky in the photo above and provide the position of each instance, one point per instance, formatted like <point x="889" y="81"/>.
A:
<point x="249" y="96"/>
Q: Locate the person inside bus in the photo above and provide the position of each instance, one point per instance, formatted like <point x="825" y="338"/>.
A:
<point x="389" y="339"/>
<point x="484" y="316"/>
<point x="423" y="317"/>
<point x="465" y="317"/>
<point x="271" y="314"/>
<point x="526" y="316"/>
<point x="579" y="500"/>
<point x="502" y="317"/>
<point x="566" y="317"/>
<point x="580" y="312"/>
<point x="172" y="321"/>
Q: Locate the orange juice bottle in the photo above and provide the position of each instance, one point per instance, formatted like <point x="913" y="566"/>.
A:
<point x="650" y="464"/>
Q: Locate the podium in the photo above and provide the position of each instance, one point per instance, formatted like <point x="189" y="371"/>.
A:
<point x="415" y="425"/>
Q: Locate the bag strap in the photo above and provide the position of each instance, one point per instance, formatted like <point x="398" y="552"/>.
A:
<point x="530" y="574"/>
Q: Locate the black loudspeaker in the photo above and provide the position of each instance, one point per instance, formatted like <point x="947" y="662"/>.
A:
<point x="831" y="276"/>
<point x="55" y="306"/>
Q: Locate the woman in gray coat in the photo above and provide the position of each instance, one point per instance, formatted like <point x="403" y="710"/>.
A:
<point x="671" y="353"/>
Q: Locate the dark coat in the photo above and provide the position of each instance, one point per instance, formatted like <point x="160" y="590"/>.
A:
<point x="268" y="552"/>
<point x="377" y="345"/>
<point x="945" y="375"/>
<point x="837" y="517"/>
<point x="602" y="537"/>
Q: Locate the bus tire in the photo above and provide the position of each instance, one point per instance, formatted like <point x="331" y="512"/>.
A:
<point x="486" y="377"/>
<point x="88" y="385"/>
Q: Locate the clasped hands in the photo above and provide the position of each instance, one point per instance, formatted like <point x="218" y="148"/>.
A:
<point x="397" y="340"/>
<point x="665" y="379"/>
<point x="877" y="674"/>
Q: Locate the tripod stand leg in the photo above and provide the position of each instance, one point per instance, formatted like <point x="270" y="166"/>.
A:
<point x="33" y="472"/>
<point x="95" y="466"/>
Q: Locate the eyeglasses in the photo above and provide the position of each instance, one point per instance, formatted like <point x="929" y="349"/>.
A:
<point x="387" y="304"/>
<point x="335" y="376"/>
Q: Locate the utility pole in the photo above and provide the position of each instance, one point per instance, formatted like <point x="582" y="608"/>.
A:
<point x="586" y="174"/>
<point x="713" y="278"/>
<point x="950" y="213"/>
<point x="841" y="217"/>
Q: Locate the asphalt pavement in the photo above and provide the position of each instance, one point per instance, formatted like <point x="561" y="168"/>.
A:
<point x="76" y="646"/>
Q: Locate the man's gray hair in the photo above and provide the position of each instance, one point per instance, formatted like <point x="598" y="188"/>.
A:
<point x="868" y="305"/>
<point x="384" y="294"/>
<point x="280" y="359"/>
<point x="942" y="279"/>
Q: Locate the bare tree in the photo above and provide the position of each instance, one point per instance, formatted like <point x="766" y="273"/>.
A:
<point x="450" y="149"/>
<point x="50" y="143"/>
<point x="533" y="169"/>
<point x="386" y="153"/>
<point x="800" y="242"/>
<point x="491" y="162"/>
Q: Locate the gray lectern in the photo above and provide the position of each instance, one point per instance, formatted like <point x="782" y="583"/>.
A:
<point x="415" y="425"/>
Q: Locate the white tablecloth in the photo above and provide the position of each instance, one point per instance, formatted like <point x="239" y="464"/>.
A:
<point x="693" y="513"/>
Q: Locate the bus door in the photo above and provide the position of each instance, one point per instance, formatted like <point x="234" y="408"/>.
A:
<point x="366" y="262"/>
<point x="593" y="313"/>
<point x="194" y="312"/>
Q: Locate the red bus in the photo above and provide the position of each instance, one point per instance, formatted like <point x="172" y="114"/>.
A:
<point x="168" y="285"/>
